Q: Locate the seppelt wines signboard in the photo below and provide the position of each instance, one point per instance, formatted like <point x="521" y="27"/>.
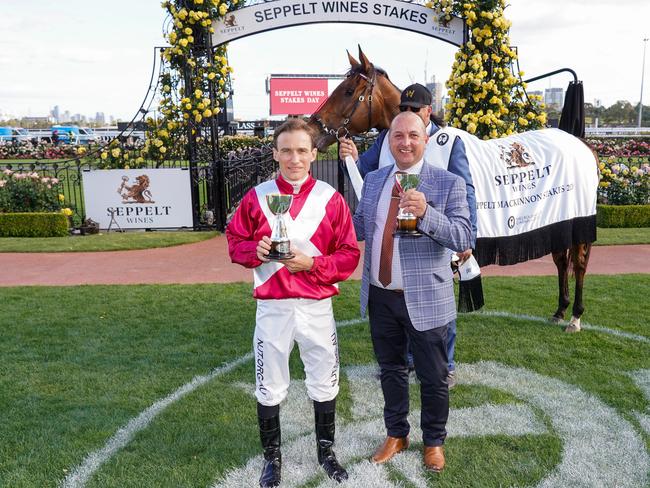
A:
<point x="139" y="198"/>
<point x="298" y="96"/>
<point x="279" y="14"/>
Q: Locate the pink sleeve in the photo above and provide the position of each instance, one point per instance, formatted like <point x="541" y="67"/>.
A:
<point x="241" y="230"/>
<point x="343" y="251"/>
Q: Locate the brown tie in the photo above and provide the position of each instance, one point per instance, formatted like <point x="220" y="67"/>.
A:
<point x="386" y="257"/>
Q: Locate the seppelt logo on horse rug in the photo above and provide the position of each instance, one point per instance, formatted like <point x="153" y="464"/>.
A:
<point x="139" y="198"/>
<point x="534" y="190"/>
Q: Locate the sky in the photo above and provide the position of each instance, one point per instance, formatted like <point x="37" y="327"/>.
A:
<point x="90" y="56"/>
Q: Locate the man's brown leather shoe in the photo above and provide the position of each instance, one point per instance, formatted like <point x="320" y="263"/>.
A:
<point x="390" y="447"/>
<point x="434" y="458"/>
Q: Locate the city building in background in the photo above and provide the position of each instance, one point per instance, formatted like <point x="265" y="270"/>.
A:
<point x="438" y="93"/>
<point x="554" y="99"/>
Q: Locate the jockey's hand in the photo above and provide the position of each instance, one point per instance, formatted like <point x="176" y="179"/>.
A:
<point x="347" y="148"/>
<point x="301" y="262"/>
<point x="414" y="202"/>
<point x="263" y="249"/>
<point x="463" y="256"/>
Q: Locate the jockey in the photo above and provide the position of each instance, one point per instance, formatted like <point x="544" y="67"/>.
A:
<point x="294" y="295"/>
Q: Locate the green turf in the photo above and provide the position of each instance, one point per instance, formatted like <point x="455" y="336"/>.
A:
<point x="112" y="241"/>
<point x="616" y="236"/>
<point x="79" y="362"/>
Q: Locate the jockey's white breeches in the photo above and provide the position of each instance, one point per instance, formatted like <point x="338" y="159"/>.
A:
<point x="311" y="324"/>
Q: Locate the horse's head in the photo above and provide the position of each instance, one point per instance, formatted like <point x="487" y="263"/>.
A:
<point x="365" y="99"/>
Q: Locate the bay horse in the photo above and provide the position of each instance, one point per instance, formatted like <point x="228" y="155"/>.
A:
<point x="367" y="99"/>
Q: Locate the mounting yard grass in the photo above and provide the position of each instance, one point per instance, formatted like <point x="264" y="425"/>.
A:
<point x="80" y="363"/>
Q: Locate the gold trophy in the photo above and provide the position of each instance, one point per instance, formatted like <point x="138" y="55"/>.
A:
<point x="280" y="245"/>
<point x="406" y="221"/>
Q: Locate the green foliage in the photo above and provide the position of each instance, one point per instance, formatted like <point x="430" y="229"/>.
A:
<point x="624" y="184"/>
<point x="623" y="216"/>
<point x="29" y="192"/>
<point x="487" y="98"/>
<point x="236" y="143"/>
<point x="81" y="362"/>
<point x="114" y="241"/>
<point x="33" y="224"/>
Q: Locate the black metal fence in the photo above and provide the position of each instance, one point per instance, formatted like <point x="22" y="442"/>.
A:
<point x="242" y="170"/>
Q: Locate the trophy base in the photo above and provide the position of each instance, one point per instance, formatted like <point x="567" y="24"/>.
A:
<point x="280" y="257"/>
<point x="407" y="233"/>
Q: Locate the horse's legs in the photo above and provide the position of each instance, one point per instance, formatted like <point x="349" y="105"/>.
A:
<point x="561" y="260"/>
<point x="580" y="257"/>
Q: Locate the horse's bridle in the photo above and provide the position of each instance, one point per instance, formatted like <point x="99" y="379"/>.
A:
<point x="370" y="87"/>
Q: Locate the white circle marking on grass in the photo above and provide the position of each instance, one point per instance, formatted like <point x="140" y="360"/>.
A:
<point x="590" y="432"/>
<point x="78" y="477"/>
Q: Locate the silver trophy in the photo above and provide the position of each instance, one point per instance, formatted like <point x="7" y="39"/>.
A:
<point x="280" y="245"/>
<point x="406" y="221"/>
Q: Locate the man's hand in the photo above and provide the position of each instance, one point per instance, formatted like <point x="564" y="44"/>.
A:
<point x="301" y="262"/>
<point x="414" y="202"/>
<point x="347" y="148"/>
<point x="263" y="249"/>
<point x="463" y="256"/>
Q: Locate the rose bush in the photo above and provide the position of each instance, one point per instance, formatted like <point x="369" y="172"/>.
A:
<point x="623" y="183"/>
<point x="30" y="192"/>
<point x="39" y="150"/>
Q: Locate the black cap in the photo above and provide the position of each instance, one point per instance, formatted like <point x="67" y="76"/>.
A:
<point x="416" y="96"/>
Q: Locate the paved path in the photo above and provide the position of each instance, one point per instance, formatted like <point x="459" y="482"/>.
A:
<point x="208" y="262"/>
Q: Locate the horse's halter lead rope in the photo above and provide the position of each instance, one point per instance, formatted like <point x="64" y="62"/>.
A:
<point x="370" y="87"/>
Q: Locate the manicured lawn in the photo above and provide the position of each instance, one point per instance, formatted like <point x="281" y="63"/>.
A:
<point x="80" y="363"/>
<point x="113" y="241"/>
<point x="618" y="236"/>
<point x="116" y="241"/>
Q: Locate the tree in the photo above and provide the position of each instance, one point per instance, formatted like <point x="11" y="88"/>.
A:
<point x="621" y="113"/>
<point x="486" y="97"/>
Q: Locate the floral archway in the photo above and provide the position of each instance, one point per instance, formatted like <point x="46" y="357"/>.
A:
<point x="487" y="95"/>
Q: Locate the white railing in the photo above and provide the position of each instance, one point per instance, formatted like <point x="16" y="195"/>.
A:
<point x="102" y="135"/>
<point x="617" y="131"/>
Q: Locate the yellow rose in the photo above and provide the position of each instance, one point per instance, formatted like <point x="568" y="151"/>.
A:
<point x="162" y="149"/>
<point x="61" y="197"/>
<point x="104" y="155"/>
<point x="223" y="8"/>
<point x="66" y="211"/>
<point x="115" y="152"/>
<point x="183" y="42"/>
<point x="207" y="113"/>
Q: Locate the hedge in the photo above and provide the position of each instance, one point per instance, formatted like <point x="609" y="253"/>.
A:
<point x="33" y="224"/>
<point x="623" y="216"/>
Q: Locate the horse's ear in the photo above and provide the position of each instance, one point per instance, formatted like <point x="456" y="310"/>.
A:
<point x="353" y="62"/>
<point x="367" y="65"/>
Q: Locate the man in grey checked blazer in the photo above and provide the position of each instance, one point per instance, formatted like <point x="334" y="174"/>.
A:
<point x="418" y="302"/>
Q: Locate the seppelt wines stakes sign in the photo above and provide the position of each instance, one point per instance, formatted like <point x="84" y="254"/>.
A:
<point x="285" y="13"/>
<point x="139" y="198"/>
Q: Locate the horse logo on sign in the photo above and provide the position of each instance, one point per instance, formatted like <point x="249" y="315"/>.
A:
<point x="515" y="156"/>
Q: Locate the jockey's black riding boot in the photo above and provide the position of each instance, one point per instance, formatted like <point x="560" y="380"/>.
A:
<point x="325" y="414"/>
<point x="269" y="422"/>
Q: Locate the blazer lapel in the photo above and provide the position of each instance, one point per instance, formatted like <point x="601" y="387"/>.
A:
<point x="374" y="193"/>
<point x="426" y="180"/>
